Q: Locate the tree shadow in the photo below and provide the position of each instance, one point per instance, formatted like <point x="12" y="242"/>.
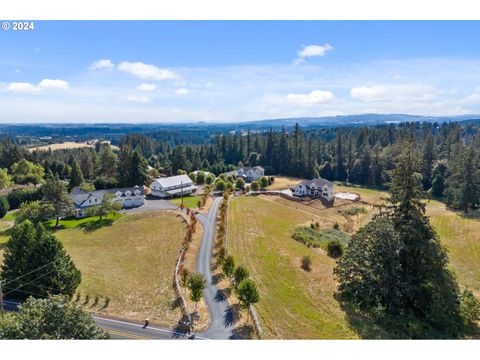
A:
<point x="217" y="278"/>
<point x="232" y="315"/>
<point x="362" y="324"/>
<point x="96" y="224"/>
<point x="182" y="329"/>
<point x="176" y="303"/>
<point x="220" y="296"/>
<point x="243" y="332"/>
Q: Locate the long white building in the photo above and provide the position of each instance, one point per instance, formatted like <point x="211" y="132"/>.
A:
<point x="172" y="186"/>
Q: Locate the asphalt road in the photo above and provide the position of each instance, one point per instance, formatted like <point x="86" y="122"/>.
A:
<point x="221" y="315"/>
<point x="122" y="330"/>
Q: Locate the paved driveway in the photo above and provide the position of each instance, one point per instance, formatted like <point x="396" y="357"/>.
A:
<point x="152" y="204"/>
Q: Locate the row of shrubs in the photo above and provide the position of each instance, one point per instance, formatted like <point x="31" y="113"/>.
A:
<point x="96" y="300"/>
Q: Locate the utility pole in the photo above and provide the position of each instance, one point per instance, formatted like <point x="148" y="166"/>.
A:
<point x="1" y="297"/>
<point x="181" y="189"/>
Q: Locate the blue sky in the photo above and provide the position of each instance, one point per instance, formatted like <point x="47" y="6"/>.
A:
<point x="101" y="71"/>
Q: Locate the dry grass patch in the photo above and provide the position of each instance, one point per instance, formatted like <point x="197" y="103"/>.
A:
<point x="132" y="262"/>
<point x="294" y="304"/>
<point x="283" y="182"/>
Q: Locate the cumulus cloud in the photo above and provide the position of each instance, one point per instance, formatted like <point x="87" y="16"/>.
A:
<point x="139" y="99"/>
<point x="147" y="87"/>
<point x="29" y="88"/>
<point x="312" y="50"/>
<point x="146" y="71"/>
<point x="313" y="98"/>
<point x="394" y="92"/>
<point x="182" y="91"/>
<point x="103" y="64"/>
<point x="22" y="87"/>
<point x="53" y="84"/>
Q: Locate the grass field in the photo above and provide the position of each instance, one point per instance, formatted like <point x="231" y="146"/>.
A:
<point x="132" y="262"/>
<point x="283" y="182"/>
<point x="64" y="145"/>
<point x="294" y="304"/>
<point x="188" y="201"/>
<point x="87" y="223"/>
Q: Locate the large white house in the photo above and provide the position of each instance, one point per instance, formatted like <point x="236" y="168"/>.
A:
<point x="172" y="186"/>
<point x="249" y="174"/>
<point x="314" y="188"/>
<point x="127" y="197"/>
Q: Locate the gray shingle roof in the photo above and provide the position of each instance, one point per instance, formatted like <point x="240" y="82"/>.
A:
<point x="80" y="196"/>
<point x="319" y="182"/>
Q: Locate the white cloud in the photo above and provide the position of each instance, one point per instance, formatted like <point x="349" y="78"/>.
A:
<point x="147" y="87"/>
<point x="29" y="88"/>
<point x="53" y="84"/>
<point x="394" y="92"/>
<point x="312" y="50"/>
<point x="139" y="98"/>
<point x="313" y="98"/>
<point x="182" y="91"/>
<point x="146" y="71"/>
<point x="105" y="64"/>
<point x="22" y="87"/>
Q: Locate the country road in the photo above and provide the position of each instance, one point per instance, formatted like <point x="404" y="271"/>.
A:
<point x="221" y="324"/>
<point x="123" y="330"/>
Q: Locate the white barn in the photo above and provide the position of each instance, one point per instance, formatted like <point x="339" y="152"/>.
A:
<point x="314" y="188"/>
<point x="172" y="186"/>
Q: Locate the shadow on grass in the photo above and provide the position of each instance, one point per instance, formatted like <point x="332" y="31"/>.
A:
<point x="232" y="315"/>
<point x="243" y="332"/>
<point x="176" y="304"/>
<point x="95" y="224"/>
<point x="363" y="325"/>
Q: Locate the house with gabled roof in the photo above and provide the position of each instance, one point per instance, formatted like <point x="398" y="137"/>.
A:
<point x="249" y="174"/>
<point x="128" y="197"/>
<point x="167" y="187"/>
<point x="314" y="188"/>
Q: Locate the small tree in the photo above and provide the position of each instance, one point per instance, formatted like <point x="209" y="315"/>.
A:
<point x="34" y="211"/>
<point x="25" y="172"/>
<point x="107" y="206"/>
<point x="196" y="285"/>
<point x="240" y="274"/>
<point x="306" y="263"/>
<point x="200" y="179"/>
<point x="228" y="266"/>
<point x="5" y="179"/>
<point x="247" y="293"/>
<point x="209" y="179"/>
<point x="255" y="186"/>
<point x="264" y="182"/>
<point x="220" y="185"/>
<point x="4" y="206"/>
<point x="192" y="176"/>
<point x="240" y="183"/>
<point x="334" y="249"/>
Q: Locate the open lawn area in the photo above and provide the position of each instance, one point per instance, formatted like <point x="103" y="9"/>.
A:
<point x="283" y="182"/>
<point x="188" y="201"/>
<point x="294" y="304"/>
<point x="132" y="262"/>
<point x="87" y="223"/>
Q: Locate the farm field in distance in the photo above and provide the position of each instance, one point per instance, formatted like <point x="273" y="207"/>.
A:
<point x="299" y="304"/>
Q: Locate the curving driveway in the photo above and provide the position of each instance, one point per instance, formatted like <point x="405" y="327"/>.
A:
<point x="222" y="316"/>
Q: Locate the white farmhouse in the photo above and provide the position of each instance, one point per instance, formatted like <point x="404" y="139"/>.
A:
<point x="314" y="188"/>
<point x="249" y="174"/>
<point x="127" y="197"/>
<point x="172" y="186"/>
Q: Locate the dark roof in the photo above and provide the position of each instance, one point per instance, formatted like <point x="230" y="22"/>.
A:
<point x="319" y="182"/>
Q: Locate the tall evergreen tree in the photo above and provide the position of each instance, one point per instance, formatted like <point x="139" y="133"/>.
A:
<point x="76" y="176"/>
<point x="55" y="195"/>
<point x="35" y="263"/>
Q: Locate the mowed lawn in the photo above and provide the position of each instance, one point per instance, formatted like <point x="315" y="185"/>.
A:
<point x="132" y="262"/>
<point x="188" y="201"/>
<point x="294" y="304"/>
